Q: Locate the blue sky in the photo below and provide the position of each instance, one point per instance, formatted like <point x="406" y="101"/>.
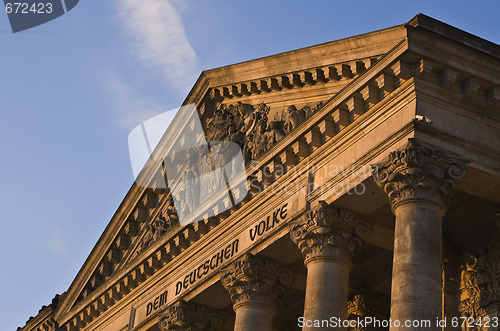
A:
<point x="71" y="90"/>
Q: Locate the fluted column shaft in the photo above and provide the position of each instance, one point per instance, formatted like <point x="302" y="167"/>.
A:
<point x="254" y="316"/>
<point x="418" y="181"/>
<point x="326" y="290"/>
<point x="328" y="239"/>
<point x="417" y="266"/>
<point x="256" y="286"/>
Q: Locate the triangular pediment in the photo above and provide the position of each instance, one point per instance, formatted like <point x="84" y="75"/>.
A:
<point x="260" y="104"/>
<point x="279" y="110"/>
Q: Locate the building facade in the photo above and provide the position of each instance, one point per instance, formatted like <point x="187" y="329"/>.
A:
<point x="373" y="167"/>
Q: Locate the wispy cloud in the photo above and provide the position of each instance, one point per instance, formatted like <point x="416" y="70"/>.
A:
<point x="129" y="106"/>
<point x="55" y="242"/>
<point x="158" y="39"/>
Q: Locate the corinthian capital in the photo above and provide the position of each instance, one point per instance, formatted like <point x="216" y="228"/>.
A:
<point x="184" y="316"/>
<point x="418" y="172"/>
<point x="256" y="280"/>
<point x="329" y="233"/>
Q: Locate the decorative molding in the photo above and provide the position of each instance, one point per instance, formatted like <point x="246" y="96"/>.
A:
<point x="331" y="73"/>
<point x="329" y="233"/>
<point x="254" y="280"/>
<point x="186" y="316"/>
<point x="418" y="172"/>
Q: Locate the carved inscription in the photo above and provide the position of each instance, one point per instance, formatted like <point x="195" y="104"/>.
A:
<point x="269" y="222"/>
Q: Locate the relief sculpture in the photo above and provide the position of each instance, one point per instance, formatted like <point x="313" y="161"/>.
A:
<point x="254" y="128"/>
<point x="164" y="221"/>
<point x="480" y="287"/>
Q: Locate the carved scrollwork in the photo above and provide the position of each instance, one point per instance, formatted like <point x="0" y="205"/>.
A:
<point x="185" y="316"/>
<point x="419" y="172"/>
<point x="327" y="232"/>
<point x="256" y="280"/>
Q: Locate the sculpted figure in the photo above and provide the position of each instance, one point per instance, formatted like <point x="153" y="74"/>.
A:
<point x="261" y="138"/>
<point x="274" y="134"/>
<point x="235" y="136"/>
<point x="248" y="147"/>
<point x="295" y="117"/>
<point x="206" y="183"/>
<point x="161" y="225"/>
<point x="469" y="281"/>
<point x="146" y="240"/>
<point x="307" y="112"/>
<point x="216" y="126"/>
<point x="190" y="188"/>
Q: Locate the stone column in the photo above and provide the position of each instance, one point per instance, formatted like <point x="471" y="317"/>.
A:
<point x="418" y="181"/>
<point x="328" y="239"/>
<point x="185" y="316"/>
<point x="255" y="286"/>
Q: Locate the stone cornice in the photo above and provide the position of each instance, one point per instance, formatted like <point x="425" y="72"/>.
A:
<point x="100" y="248"/>
<point x="419" y="173"/>
<point x="327" y="233"/>
<point x="454" y="55"/>
<point x="340" y="51"/>
<point x="456" y="35"/>
<point x="331" y="73"/>
<point x="43" y="321"/>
